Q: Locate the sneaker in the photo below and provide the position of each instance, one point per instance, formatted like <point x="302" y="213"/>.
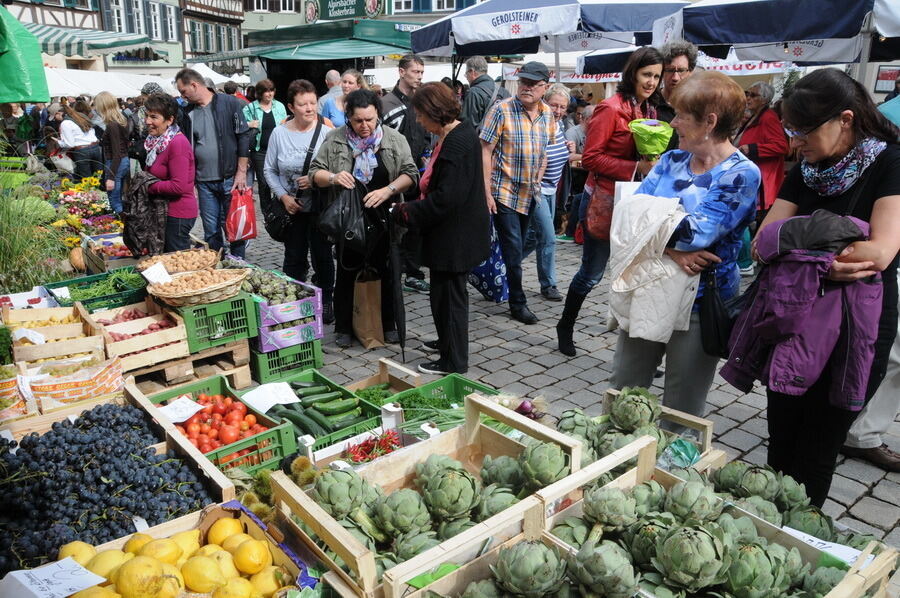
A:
<point x="391" y="337"/>
<point x="565" y="239"/>
<point x="416" y="285"/>
<point x="430" y="347"/>
<point x="432" y="367"/>
<point x="343" y="340"/>
<point x="748" y="271"/>
<point x="328" y="313"/>
<point x="551" y="294"/>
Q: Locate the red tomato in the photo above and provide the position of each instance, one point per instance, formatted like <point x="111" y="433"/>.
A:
<point x="204" y="428"/>
<point x="217" y="417"/>
<point x="193" y="441"/>
<point x="239" y="407"/>
<point x="213" y="433"/>
<point x="245" y="434"/>
<point x="182" y="430"/>
<point x="228" y="401"/>
<point x="193" y="429"/>
<point x="202" y="398"/>
<point x="207" y="410"/>
<point x="228" y="434"/>
<point x="215" y="444"/>
<point x="219" y="407"/>
<point x="233" y="418"/>
<point x="192" y="419"/>
<point x="205" y="448"/>
<point x="250" y="419"/>
<point x="244" y="425"/>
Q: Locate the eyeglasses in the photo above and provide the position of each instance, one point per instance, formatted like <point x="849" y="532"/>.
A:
<point x="793" y="133"/>
<point x="672" y="71"/>
<point x="751" y="94"/>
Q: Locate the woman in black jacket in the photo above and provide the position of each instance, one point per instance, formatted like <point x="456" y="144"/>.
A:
<point x="452" y="214"/>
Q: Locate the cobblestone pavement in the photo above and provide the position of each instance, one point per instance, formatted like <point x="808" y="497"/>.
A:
<point x="523" y="360"/>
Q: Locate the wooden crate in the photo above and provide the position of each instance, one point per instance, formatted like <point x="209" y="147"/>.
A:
<point x="88" y="343"/>
<point x="564" y="499"/>
<point x="231" y="360"/>
<point x="468" y="444"/>
<point x="385" y="376"/>
<point x="127" y="349"/>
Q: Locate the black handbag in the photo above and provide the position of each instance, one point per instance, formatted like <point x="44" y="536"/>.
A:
<point x="344" y="222"/>
<point x="717" y="315"/>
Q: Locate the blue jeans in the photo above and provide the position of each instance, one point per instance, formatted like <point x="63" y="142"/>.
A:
<point x="119" y="174"/>
<point x="594" y="255"/>
<point x="511" y="229"/>
<point x="542" y="236"/>
<point x="215" y="198"/>
<point x="178" y="233"/>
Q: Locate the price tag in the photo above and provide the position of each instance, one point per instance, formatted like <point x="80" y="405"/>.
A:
<point x="62" y="293"/>
<point x="55" y="580"/>
<point x="157" y="274"/>
<point x="843" y="553"/>
<point x="180" y="409"/>
<point x="32" y="335"/>
<point x="264" y="397"/>
<point x="140" y="524"/>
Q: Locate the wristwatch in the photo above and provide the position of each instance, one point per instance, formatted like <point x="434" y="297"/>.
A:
<point x="331" y="178"/>
<point x="392" y="188"/>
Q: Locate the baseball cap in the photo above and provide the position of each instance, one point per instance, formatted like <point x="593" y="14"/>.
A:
<point x="534" y="71"/>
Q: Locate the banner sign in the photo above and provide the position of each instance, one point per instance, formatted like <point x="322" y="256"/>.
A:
<point x="347" y="9"/>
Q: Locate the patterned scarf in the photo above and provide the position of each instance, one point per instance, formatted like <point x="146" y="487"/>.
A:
<point x="364" y="160"/>
<point x="157" y="145"/>
<point x="836" y="179"/>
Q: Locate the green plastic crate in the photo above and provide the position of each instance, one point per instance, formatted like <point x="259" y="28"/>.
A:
<point x="216" y="324"/>
<point x="452" y="388"/>
<point x="268" y="447"/>
<point x="282" y="364"/>
<point x="126" y="296"/>
<point x="373" y="411"/>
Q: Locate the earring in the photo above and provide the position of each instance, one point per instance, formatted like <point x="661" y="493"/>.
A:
<point x="706" y="137"/>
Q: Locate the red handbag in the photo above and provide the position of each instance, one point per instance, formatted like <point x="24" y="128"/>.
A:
<point x="598" y="219"/>
<point x="240" y="224"/>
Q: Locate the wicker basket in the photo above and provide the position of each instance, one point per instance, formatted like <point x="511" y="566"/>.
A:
<point x="217" y="292"/>
<point x="211" y="258"/>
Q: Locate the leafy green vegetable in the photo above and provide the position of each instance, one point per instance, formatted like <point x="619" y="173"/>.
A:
<point x="116" y="282"/>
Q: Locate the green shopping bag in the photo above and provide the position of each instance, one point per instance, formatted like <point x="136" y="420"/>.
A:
<point x="651" y="136"/>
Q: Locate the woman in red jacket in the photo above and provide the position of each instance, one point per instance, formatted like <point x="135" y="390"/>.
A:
<point x="610" y="156"/>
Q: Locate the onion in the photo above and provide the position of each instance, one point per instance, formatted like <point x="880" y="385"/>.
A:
<point x="525" y="408"/>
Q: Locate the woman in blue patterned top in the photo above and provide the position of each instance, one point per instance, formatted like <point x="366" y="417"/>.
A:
<point x="717" y="186"/>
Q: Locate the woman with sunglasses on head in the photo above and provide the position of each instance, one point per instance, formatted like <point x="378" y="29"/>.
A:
<point x="850" y="165"/>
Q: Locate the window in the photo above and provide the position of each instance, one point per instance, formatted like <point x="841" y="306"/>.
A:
<point x="233" y="39"/>
<point x="210" y="37"/>
<point x="221" y="37"/>
<point x="403" y="5"/>
<point x="287" y="5"/>
<point x="140" y="26"/>
<point x="117" y="11"/>
<point x="444" y="5"/>
<point x="261" y="5"/>
<point x="155" y="20"/>
<point x="196" y="38"/>
<point x="171" y="24"/>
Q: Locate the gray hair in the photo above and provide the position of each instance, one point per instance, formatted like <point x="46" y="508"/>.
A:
<point x="557" y="89"/>
<point x="588" y="113"/>
<point x="680" y="47"/>
<point x="477" y="64"/>
<point x="333" y="76"/>
<point x="766" y="91"/>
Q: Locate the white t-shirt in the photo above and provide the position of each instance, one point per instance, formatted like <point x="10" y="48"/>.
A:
<point x="71" y="135"/>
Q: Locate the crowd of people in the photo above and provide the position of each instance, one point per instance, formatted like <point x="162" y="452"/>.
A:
<point x="440" y="166"/>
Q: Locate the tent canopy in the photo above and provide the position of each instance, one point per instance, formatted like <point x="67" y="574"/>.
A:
<point x="72" y="82"/>
<point x="20" y="63"/>
<point x="86" y="42"/>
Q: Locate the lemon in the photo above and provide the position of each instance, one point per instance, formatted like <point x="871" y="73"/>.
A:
<point x="96" y="592"/>
<point x="237" y="587"/>
<point x="188" y="541"/>
<point x="252" y="556"/>
<point x="232" y="543"/>
<point x="202" y="574"/>
<point x="104" y="563"/>
<point x="222" y="529"/>
<point x="226" y="564"/>
<point x="141" y="577"/>
<point x="173" y="582"/>
<point x="136" y="542"/>
<point x="208" y="550"/>
<point x="269" y="580"/>
<point x="165" y="550"/>
<point x="82" y="552"/>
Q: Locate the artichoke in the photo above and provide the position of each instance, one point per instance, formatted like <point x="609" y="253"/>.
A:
<point x="662" y="441"/>
<point x="503" y="471"/>
<point x="543" y="463"/>
<point x="648" y="496"/>
<point x="694" y="556"/>
<point x="689" y="474"/>
<point x="383" y="562"/>
<point x="761" y="508"/>
<point x="858" y="541"/>
<point x="433" y="465"/>
<point x="821" y="581"/>
<point x="408" y="545"/>
<point x="739" y="528"/>
<point x="610" y="509"/>
<point x="448" y="529"/>
<point x="371" y="494"/>
<point x="792" y="495"/>
<point x="653" y="584"/>
<point x="368" y="524"/>
<point x="693" y="500"/>
<point x="759" y="481"/>
<point x="633" y="408"/>
<point x="729" y="476"/>
<point x="401" y="512"/>
<point x="607" y="478"/>
<point x="753" y="574"/>
<point x="588" y="454"/>
<point x="361" y="536"/>
<point x="603" y="569"/>
<point x="493" y="500"/>
<point x="339" y="492"/>
<point x="640" y="539"/>
<point x="486" y="588"/>
<point x="573" y="531"/>
<point x="529" y="569"/>
<point x="611" y="440"/>
<point x="574" y="423"/>
<point x="567" y="590"/>
<point x="451" y="494"/>
<point x="790" y="561"/>
<point x="811" y="520"/>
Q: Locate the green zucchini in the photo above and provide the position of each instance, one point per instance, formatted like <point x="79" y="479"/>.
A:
<point x="312" y="390"/>
<point x="382" y="386"/>
<point x="339" y="420"/>
<point x="298" y="385"/>
<point x="354" y="421"/>
<point x="337" y="406"/>
<point x="320" y="398"/>
<point x="305" y="423"/>
<point x="320" y="419"/>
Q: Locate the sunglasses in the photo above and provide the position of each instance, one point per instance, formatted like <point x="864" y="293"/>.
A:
<point x="794" y="133"/>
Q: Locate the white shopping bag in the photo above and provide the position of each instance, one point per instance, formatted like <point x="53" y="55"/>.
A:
<point x="624" y="189"/>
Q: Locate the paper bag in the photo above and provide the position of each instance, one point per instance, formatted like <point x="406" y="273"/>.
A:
<point x="367" y="310"/>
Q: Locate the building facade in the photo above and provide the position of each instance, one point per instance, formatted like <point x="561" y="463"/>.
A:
<point x="212" y="26"/>
<point x="80" y="14"/>
<point x="161" y="21"/>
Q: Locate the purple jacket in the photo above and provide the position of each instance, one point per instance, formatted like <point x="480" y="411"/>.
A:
<point x="798" y="323"/>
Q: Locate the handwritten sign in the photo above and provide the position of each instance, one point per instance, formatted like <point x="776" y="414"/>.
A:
<point x="56" y="580"/>
<point x="264" y="397"/>
<point x="157" y="274"/>
<point x="62" y="293"/>
<point x="180" y="409"/>
<point x="32" y="335"/>
<point x="846" y="554"/>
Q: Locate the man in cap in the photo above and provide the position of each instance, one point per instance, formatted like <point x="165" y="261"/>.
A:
<point x="514" y="142"/>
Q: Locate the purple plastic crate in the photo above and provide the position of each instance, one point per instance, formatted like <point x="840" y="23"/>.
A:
<point x="270" y="315"/>
<point x="272" y="340"/>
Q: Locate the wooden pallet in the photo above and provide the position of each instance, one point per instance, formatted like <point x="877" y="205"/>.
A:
<point x="231" y="360"/>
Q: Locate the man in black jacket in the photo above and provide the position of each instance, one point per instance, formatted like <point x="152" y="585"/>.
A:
<point x="215" y="125"/>
<point x="483" y="92"/>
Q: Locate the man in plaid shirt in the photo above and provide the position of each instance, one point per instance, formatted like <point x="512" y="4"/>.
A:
<point x="514" y="142"/>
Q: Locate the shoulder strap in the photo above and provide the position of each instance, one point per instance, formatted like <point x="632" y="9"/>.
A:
<point x="494" y="95"/>
<point x="857" y="190"/>
<point x="312" y="146"/>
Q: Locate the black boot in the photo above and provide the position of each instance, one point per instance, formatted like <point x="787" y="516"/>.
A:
<point x="566" y="324"/>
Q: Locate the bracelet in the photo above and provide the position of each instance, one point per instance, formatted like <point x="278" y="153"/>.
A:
<point x="331" y="178"/>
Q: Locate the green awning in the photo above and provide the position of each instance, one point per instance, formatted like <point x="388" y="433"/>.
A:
<point x="86" y="42"/>
<point x="242" y="53"/>
<point x="339" y="49"/>
<point x="21" y="67"/>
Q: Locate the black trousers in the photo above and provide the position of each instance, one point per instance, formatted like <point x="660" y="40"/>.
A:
<point x="87" y="160"/>
<point x="450" y="310"/>
<point x="805" y="436"/>
<point x="349" y="265"/>
<point x="411" y="251"/>
<point x="258" y="161"/>
<point x="305" y="238"/>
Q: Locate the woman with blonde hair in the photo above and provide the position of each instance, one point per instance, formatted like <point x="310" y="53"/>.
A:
<point x="114" y="144"/>
<point x="333" y="108"/>
<point x="77" y="136"/>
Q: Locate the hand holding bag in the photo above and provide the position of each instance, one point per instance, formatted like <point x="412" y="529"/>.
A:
<point x="489" y="277"/>
<point x="717" y="315"/>
<point x="240" y="224"/>
<point x="343" y="220"/>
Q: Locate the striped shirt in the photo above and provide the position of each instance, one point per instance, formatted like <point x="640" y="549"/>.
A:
<point x="521" y="145"/>
<point x="557" y="155"/>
